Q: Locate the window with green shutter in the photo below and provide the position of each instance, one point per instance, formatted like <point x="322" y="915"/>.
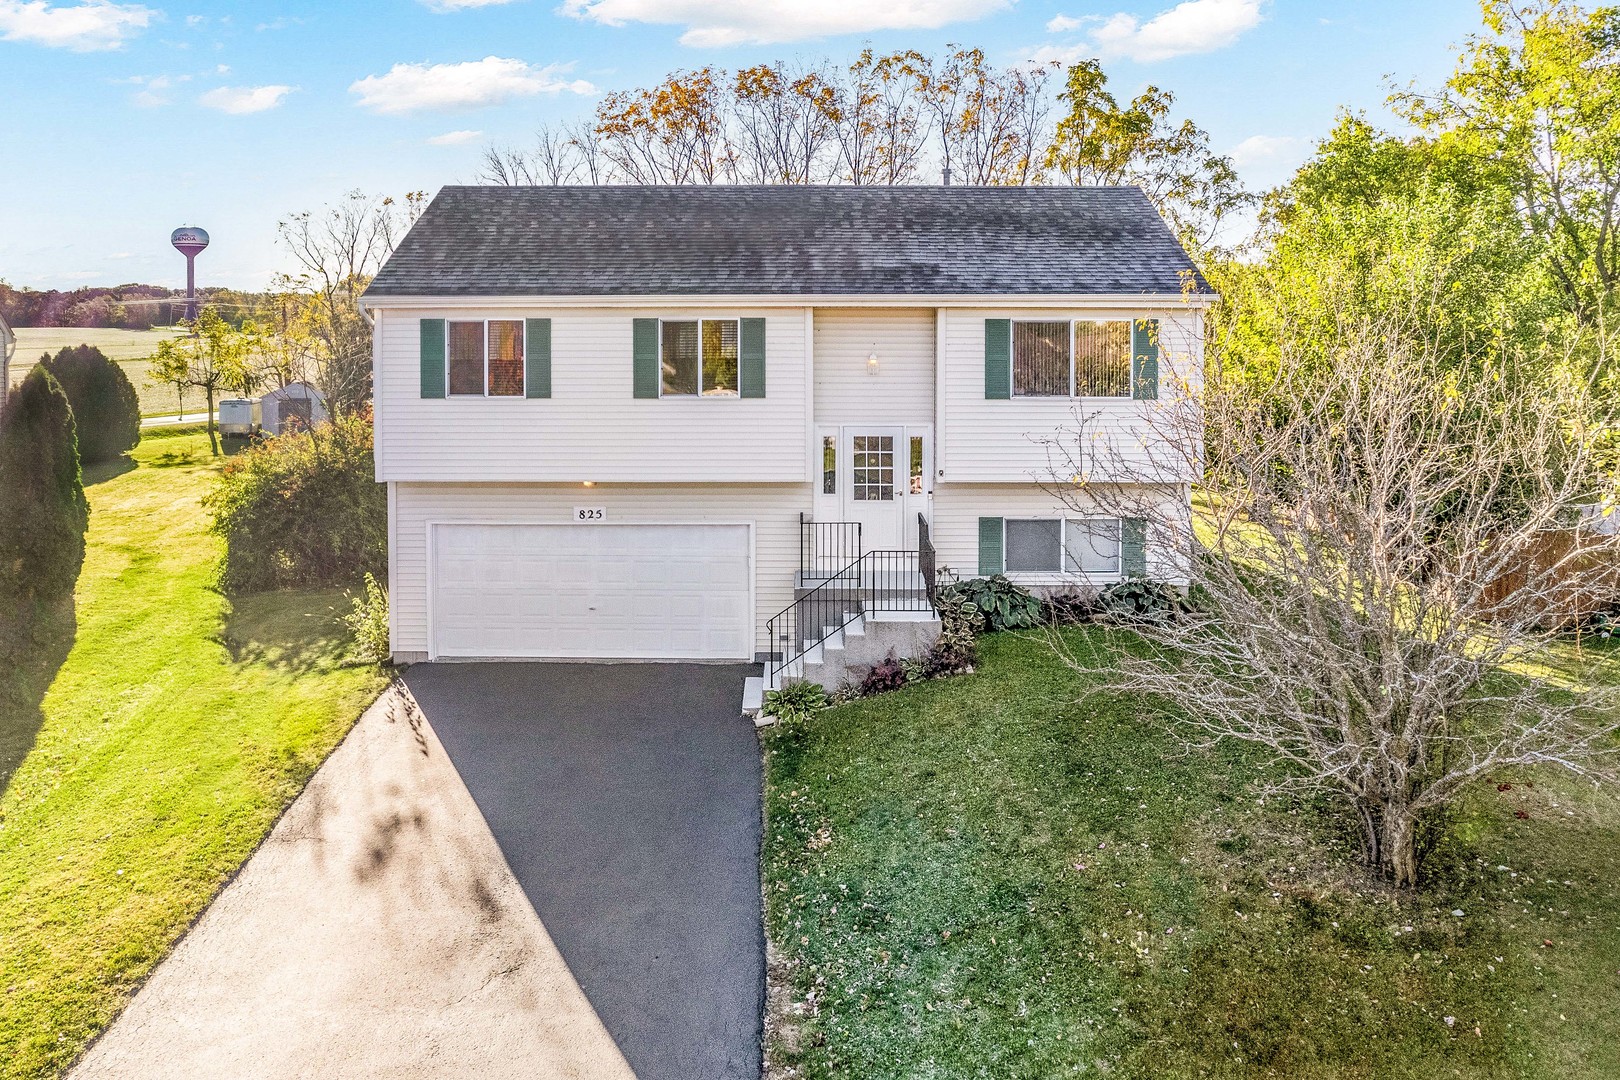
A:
<point x="990" y="546"/>
<point x="432" y="358"/>
<point x="752" y="352"/>
<point x="1145" y="359"/>
<point x="537" y="358"/>
<point x="644" y="355"/>
<point x="1133" y="547"/>
<point x="998" y="358"/>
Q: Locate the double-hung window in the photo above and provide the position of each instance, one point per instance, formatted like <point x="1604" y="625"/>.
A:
<point x="1072" y="358"/>
<point x="1063" y="546"/>
<point x="486" y="358"/>
<point x="698" y="357"/>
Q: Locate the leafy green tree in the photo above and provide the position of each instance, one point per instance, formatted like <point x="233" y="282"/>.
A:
<point x="1538" y="94"/>
<point x="216" y="356"/>
<point x="1378" y="226"/>
<point x="43" y="511"/>
<point x="1100" y="141"/>
<point x="106" y="411"/>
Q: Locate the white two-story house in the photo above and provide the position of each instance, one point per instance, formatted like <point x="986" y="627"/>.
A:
<point x="644" y="423"/>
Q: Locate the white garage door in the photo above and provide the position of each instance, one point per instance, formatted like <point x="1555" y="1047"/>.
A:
<point x="592" y="591"/>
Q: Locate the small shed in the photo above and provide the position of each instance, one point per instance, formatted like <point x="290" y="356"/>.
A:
<point x="294" y="407"/>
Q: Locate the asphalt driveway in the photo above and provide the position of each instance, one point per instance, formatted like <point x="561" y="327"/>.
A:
<point x="625" y="799"/>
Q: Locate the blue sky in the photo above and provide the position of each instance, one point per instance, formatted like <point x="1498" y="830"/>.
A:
<point x="120" y="121"/>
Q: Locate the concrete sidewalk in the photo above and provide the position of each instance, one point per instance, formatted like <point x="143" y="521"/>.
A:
<point x="377" y="932"/>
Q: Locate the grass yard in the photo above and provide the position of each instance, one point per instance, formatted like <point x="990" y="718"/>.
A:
<point x="982" y="877"/>
<point x="174" y="733"/>
<point x="130" y="348"/>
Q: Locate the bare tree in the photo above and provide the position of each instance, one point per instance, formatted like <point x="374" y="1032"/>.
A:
<point x="555" y="158"/>
<point x="1385" y="559"/>
<point x="338" y="251"/>
<point x="675" y="133"/>
<point x="787" y="124"/>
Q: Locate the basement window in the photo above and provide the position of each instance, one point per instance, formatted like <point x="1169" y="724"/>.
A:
<point x="1062" y="546"/>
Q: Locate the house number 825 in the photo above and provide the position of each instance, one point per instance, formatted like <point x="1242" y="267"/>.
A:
<point x="590" y="513"/>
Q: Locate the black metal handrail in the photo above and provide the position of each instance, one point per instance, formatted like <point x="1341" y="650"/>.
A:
<point x="827" y="546"/>
<point x="927" y="562"/>
<point x="874" y="581"/>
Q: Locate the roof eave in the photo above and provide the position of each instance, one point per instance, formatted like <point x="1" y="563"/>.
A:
<point x="1189" y="298"/>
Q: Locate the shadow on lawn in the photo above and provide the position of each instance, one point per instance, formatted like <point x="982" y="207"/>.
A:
<point x="33" y="647"/>
<point x="102" y="471"/>
<point x="295" y="630"/>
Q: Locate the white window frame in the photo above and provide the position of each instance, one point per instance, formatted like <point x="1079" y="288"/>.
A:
<point x="1130" y="361"/>
<point x="1063" y="572"/>
<point x="700" y="395"/>
<point x="523" y="337"/>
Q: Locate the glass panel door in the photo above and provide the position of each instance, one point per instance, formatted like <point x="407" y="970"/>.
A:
<point x="876" y="472"/>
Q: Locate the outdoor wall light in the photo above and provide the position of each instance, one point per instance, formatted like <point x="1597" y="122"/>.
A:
<point x="590" y="483"/>
<point x="872" y="364"/>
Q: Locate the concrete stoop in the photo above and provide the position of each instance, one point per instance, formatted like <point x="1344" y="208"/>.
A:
<point x="847" y="655"/>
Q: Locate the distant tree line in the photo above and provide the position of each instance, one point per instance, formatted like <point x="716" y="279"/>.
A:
<point x="124" y="307"/>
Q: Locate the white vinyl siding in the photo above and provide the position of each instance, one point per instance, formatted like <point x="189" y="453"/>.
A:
<point x="592" y="427"/>
<point x="772" y="509"/>
<point x="1033" y="438"/>
<point x="958" y="508"/>
<point x="902" y="391"/>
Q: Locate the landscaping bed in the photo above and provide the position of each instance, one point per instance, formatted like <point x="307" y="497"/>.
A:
<point x="987" y="876"/>
<point x="151" y="762"/>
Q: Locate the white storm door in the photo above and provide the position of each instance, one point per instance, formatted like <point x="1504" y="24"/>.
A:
<point x="874" y="482"/>
<point x="632" y="592"/>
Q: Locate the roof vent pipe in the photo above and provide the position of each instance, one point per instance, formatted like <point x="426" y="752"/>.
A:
<point x="947" y="176"/>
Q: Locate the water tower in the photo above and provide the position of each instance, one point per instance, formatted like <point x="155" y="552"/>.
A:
<point x="189" y="241"/>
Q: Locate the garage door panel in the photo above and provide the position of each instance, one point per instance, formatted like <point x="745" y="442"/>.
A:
<point x="631" y="591"/>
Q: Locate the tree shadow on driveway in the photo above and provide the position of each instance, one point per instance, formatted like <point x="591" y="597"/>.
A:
<point x="626" y="799"/>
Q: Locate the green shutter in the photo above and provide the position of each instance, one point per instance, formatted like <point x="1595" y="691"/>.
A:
<point x="998" y="358"/>
<point x="1145" y="359"/>
<point x="751" y="358"/>
<point x="645" y="351"/>
<point x="537" y="358"/>
<point x="1133" y="547"/>
<point x="432" y="331"/>
<point x="990" y="561"/>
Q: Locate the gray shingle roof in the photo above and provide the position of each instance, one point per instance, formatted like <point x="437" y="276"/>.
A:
<point x="786" y="241"/>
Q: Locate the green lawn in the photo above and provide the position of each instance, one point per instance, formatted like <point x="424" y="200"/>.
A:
<point x="130" y="348"/>
<point x="982" y="877"/>
<point x="176" y="730"/>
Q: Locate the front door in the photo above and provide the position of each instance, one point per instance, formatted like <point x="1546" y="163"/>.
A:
<point x="876" y="472"/>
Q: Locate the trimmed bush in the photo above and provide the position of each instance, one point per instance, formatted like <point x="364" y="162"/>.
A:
<point x="302" y="510"/>
<point x="105" y="408"/>
<point x="43" y="512"/>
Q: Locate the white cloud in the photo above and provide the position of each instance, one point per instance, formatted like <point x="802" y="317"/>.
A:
<point x="241" y="100"/>
<point x="409" y="88"/>
<point x="727" y="22"/>
<point x="1265" y="150"/>
<point x="154" y="89"/>
<point x="444" y="6"/>
<point x="86" y="27"/>
<point x="1194" y="26"/>
<point x="454" y="138"/>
